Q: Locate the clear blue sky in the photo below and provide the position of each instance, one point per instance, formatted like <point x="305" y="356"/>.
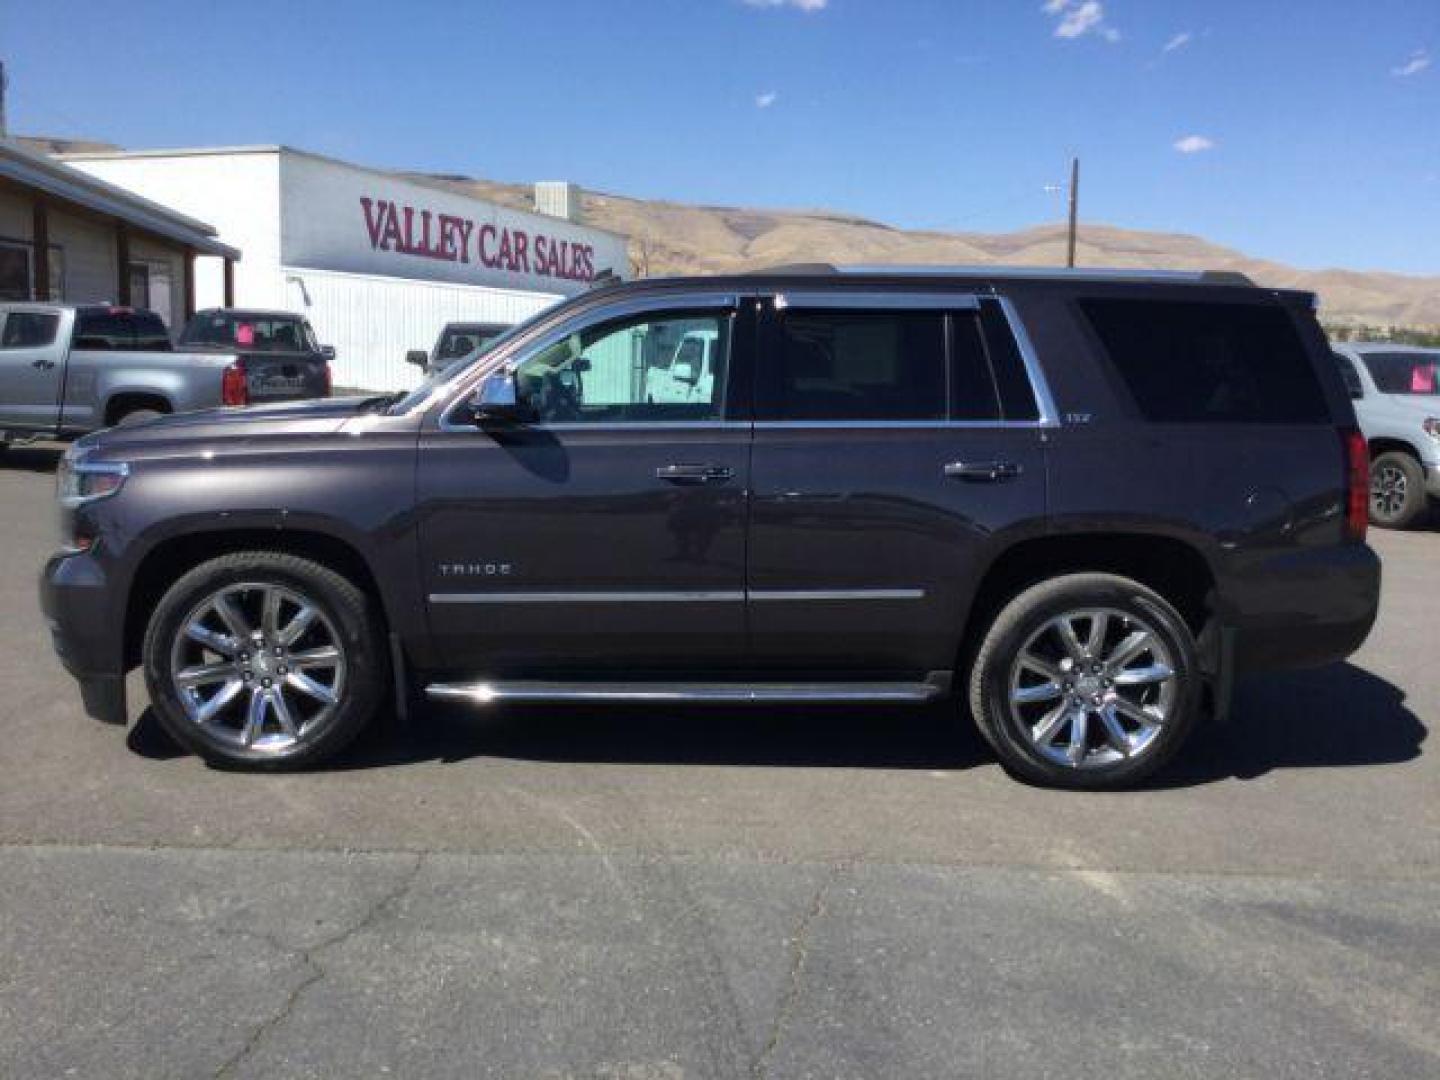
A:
<point x="1314" y="126"/>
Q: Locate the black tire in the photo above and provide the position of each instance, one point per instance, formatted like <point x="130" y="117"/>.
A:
<point x="1009" y="730"/>
<point x="1397" y="490"/>
<point x="136" y="416"/>
<point x="344" y="614"/>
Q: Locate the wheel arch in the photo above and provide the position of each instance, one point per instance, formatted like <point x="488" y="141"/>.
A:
<point x="1385" y="444"/>
<point x="1174" y="568"/>
<point x="121" y="402"/>
<point x="164" y="564"/>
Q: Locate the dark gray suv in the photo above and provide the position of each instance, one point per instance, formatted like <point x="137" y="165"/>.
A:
<point x="1077" y="504"/>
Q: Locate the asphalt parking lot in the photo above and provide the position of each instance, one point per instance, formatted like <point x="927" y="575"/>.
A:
<point x="636" y="894"/>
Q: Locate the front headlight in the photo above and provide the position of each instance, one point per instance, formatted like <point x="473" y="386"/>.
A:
<point x="78" y="481"/>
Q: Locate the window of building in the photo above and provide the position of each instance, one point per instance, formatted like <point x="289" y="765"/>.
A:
<point x="1198" y="361"/>
<point x="17" y="271"/>
<point x="613" y="372"/>
<point x="29" y="329"/>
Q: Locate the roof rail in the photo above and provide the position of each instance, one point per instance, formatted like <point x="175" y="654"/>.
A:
<point x="1097" y="273"/>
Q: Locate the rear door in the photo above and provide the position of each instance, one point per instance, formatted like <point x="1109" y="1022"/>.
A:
<point x="32" y="367"/>
<point x="889" y="462"/>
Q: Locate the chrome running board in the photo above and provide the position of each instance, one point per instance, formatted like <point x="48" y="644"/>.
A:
<point x="834" y="693"/>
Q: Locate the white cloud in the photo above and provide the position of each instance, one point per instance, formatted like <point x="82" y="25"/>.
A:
<point x="803" y="5"/>
<point x="1194" y="144"/>
<point x="765" y="100"/>
<point x="1419" y="60"/>
<point x="1076" y="18"/>
<point x="1179" y="41"/>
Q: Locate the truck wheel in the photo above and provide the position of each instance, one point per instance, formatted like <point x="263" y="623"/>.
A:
<point x="136" y="416"/>
<point x="264" y="660"/>
<point x="1086" y="681"/>
<point x="1397" y="490"/>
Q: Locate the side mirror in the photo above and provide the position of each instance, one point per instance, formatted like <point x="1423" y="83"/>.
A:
<point x="327" y="351"/>
<point x="684" y="371"/>
<point x="419" y="357"/>
<point x="581" y="364"/>
<point x="497" y="402"/>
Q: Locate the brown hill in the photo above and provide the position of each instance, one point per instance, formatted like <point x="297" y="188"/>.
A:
<point x="676" y="238"/>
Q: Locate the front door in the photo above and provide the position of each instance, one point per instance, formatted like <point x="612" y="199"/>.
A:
<point x="896" y="447"/>
<point x="32" y="365"/>
<point x="606" y="537"/>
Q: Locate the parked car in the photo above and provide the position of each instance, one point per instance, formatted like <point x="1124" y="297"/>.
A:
<point x="458" y="341"/>
<point x="68" y="369"/>
<point x="276" y="351"/>
<point x="1396" y="393"/>
<point x="1075" y="505"/>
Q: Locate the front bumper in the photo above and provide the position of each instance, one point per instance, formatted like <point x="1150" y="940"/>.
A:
<point x="76" y="599"/>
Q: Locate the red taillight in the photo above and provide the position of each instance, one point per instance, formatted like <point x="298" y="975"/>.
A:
<point x="1357" y="484"/>
<point x="234" y="389"/>
<point x="329" y="382"/>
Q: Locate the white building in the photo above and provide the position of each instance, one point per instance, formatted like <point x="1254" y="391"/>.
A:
<point x="377" y="262"/>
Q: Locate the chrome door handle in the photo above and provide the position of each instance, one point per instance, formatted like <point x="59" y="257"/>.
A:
<point x="988" y="472"/>
<point x="42" y="363"/>
<point x="695" y="474"/>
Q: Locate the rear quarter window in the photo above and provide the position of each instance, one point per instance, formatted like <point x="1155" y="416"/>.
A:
<point x="1209" y="362"/>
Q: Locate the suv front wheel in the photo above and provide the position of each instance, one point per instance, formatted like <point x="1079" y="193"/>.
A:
<point x="1086" y="681"/>
<point x="264" y="660"/>
<point x="1397" y="490"/>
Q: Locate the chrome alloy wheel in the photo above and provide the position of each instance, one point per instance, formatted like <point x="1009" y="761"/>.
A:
<point x="1388" y="491"/>
<point x="1093" y="687"/>
<point x="258" y="667"/>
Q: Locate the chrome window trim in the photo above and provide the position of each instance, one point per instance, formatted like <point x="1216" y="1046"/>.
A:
<point x="810" y="595"/>
<point x="1044" y="400"/>
<point x="877" y="301"/>
<point x="519" y="351"/>
<point x="899" y="425"/>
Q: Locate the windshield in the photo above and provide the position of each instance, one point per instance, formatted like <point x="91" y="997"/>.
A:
<point x="435" y="382"/>
<point x="268" y="333"/>
<point x="1408" y="373"/>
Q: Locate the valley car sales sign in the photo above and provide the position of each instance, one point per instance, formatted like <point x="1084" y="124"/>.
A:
<point x="336" y="217"/>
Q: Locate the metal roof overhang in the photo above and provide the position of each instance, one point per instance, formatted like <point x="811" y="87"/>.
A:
<point x="73" y="186"/>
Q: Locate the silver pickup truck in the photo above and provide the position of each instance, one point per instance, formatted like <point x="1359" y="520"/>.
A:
<point x="68" y="369"/>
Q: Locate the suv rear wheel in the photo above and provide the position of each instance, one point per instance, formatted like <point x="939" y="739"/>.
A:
<point x="264" y="660"/>
<point x="1086" y="681"/>
<point x="1397" y="490"/>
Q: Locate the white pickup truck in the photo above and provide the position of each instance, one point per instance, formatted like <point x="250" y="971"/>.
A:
<point x="69" y="369"/>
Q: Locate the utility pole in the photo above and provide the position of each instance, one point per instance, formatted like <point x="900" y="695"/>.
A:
<point x="4" y="84"/>
<point x="1074" y="207"/>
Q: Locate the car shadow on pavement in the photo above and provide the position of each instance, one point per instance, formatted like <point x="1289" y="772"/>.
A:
<point x="1332" y="717"/>
<point x="40" y="458"/>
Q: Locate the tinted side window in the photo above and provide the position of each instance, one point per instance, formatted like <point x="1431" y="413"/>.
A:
<point x="1210" y="362"/>
<point x="149" y="332"/>
<point x="973" y="395"/>
<point x="1349" y="376"/>
<point x="1405" y="373"/>
<point x="859" y="365"/>
<point x="102" y="329"/>
<point x="29" y="329"/>
<point x="1017" y="397"/>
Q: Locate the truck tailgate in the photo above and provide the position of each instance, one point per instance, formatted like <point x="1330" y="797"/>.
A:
<point x="274" y="376"/>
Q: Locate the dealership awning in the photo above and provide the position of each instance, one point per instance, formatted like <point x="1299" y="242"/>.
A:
<point x="56" y="179"/>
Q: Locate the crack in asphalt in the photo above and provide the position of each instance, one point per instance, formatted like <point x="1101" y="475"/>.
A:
<point x="799" y="953"/>
<point x="310" y="959"/>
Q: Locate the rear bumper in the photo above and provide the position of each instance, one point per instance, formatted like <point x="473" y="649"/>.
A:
<point x="75" y="597"/>
<point x="1303" y="608"/>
